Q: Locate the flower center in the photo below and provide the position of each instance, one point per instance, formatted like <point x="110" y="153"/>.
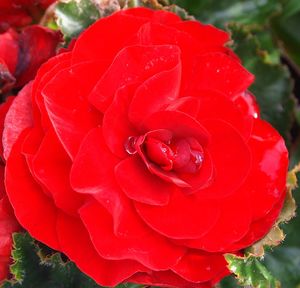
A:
<point x="183" y="155"/>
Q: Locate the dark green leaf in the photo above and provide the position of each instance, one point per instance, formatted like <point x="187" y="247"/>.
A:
<point x="272" y="86"/>
<point x="31" y="271"/>
<point x="286" y="28"/>
<point x="229" y="282"/>
<point x="221" y="12"/>
<point x="285" y="264"/>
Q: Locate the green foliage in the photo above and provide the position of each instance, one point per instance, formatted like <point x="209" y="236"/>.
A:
<point x="32" y="268"/>
<point x="273" y="85"/>
<point x="250" y="271"/>
<point x="286" y="28"/>
<point x="75" y="16"/>
<point x="220" y="13"/>
<point x="285" y="264"/>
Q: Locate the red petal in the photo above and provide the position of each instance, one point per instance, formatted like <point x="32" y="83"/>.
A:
<point x="8" y="226"/>
<point x="267" y="178"/>
<point x="4" y="107"/>
<point x="93" y="173"/>
<point x="66" y="109"/>
<point x="155" y="93"/>
<point x="13" y="17"/>
<point x="165" y="279"/>
<point x="18" y="118"/>
<point x="181" y="125"/>
<point x="115" y="29"/>
<point x="198" y="267"/>
<point x="233" y="224"/>
<point x="132" y="64"/>
<point x="185" y="217"/>
<point x="217" y="71"/>
<point x="205" y="35"/>
<point x="37" y="44"/>
<point x="231" y="158"/>
<point x="9" y="49"/>
<point x="154" y="251"/>
<point x="93" y="167"/>
<point x="188" y="105"/>
<point x="261" y="227"/>
<point x="76" y="244"/>
<point x="50" y="166"/>
<point x="36" y="212"/>
<point x="140" y="185"/>
<point x="116" y="126"/>
<point x="46" y="72"/>
<point x="202" y="178"/>
<point x="139" y="12"/>
<point x="213" y="105"/>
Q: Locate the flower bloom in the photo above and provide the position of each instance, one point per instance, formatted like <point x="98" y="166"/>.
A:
<point x="141" y="155"/>
<point x="8" y="222"/>
<point x="21" y="54"/>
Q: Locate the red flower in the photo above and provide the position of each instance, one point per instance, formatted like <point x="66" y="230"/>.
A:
<point x="19" y="13"/>
<point x="144" y="158"/>
<point x="21" y="54"/>
<point x="8" y="222"/>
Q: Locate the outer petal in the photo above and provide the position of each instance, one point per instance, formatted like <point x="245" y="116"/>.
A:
<point x="70" y="113"/>
<point x="206" y="35"/>
<point x="232" y="225"/>
<point x="199" y="267"/>
<point x="4" y="107"/>
<point x="217" y="71"/>
<point x="173" y="222"/>
<point x="116" y="29"/>
<point x="50" y="166"/>
<point x="166" y="279"/>
<point x="132" y="64"/>
<point x="230" y="156"/>
<point x="260" y="228"/>
<point x="46" y="72"/>
<point x="18" y="118"/>
<point x="77" y="245"/>
<point x="214" y="105"/>
<point x="155" y="251"/>
<point x="36" y="212"/>
<point x="8" y="225"/>
<point x="267" y="178"/>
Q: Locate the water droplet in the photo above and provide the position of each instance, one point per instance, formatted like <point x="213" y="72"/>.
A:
<point x="129" y="145"/>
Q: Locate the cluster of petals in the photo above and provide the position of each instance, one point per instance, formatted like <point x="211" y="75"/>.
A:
<point x="141" y="155"/>
<point x="8" y="222"/>
<point x="22" y="53"/>
<point x="20" y="13"/>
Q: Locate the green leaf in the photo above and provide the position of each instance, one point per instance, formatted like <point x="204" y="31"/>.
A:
<point x="220" y="13"/>
<point x="75" y="16"/>
<point x="273" y="84"/>
<point x="250" y="271"/>
<point x="30" y="270"/>
<point x="285" y="26"/>
<point x="284" y="262"/>
<point x="228" y="282"/>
